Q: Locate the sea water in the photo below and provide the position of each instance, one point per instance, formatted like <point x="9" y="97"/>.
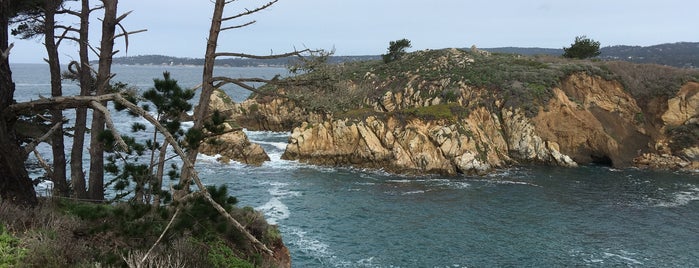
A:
<point x="591" y="216"/>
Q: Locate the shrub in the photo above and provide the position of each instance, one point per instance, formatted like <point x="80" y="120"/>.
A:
<point x="11" y="253"/>
<point x="582" y="48"/>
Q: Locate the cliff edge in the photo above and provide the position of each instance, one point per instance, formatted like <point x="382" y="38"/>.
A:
<point x="454" y="111"/>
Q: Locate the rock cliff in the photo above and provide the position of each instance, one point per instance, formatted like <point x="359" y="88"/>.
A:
<point x="234" y="143"/>
<point x="439" y="118"/>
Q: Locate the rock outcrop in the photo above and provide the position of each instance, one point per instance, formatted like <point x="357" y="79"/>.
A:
<point x="586" y="119"/>
<point x="234" y="143"/>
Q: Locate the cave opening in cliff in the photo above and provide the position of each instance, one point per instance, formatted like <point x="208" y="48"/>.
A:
<point x="602" y="160"/>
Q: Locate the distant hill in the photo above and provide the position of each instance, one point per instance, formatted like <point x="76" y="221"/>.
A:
<point x="234" y="62"/>
<point x="683" y="55"/>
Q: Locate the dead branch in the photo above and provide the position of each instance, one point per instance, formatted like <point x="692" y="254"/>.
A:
<point x="250" y="12"/>
<point x="268" y="57"/>
<point x="32" y="146"/>
<point x="238" y="26"/>
<point x="167" y="227"/>
<point x="63" y="36"/>
<point x="189" y="165"/>
<point x="6" y="53"/>
<point x="110" y="124"/>
<point x="123" y="16"/>
<point x="43" y="163"/>
<point x="60" y="103"/>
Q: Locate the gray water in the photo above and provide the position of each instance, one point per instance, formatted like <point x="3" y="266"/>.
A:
<point x="590" y="216"/>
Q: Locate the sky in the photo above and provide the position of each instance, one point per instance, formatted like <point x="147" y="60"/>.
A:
<point x="365" y="27"/>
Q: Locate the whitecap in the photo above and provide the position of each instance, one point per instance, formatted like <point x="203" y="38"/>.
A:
<point x="274" y="210"/>
<point x="681" y="198"/>
<point x="307" y="245"/>
<point x="627" y="259"/>
<point x="413" y="192"/>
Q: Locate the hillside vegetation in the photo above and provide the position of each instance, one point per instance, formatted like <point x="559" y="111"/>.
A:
<point x="442" y="76"/>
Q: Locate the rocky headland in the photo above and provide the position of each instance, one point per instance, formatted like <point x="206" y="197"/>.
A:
<point x="456" y="111"/>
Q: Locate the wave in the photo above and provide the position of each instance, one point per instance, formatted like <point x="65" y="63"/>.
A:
<point x="275" y="210"/>
<point x="682" y="197"/>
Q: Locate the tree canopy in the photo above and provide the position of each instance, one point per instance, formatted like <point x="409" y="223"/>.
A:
<point x="396" y="50"/>
<point x="582" y="48"/>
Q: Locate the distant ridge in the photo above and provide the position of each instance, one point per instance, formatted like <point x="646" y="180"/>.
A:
<point x="682" y="54"/>
<point x="233" y="62"/>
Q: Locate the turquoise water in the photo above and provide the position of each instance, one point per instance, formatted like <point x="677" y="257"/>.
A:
<point x="590" y="216"/>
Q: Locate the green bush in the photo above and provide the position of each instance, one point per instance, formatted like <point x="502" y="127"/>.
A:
<point x="11" y="253"/>
<point x="221" y="255"/>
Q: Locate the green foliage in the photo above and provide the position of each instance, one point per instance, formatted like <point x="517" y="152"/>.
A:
<point x="134" y="169"/>
<point x="168" y="97"/>
<point x="582" y="48"/>
<point x="396" y="50"/>
<point x="221" y="255"/>
<point x="11" y="253"/>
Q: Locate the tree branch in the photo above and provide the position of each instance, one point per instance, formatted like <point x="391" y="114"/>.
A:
<point x="60" y="103"/>
<point x="250" y="12"/>
<point x="189" y="165"/>
<point x="43" y="163"/>
<point x="238" y="26"/>
<point x="110" y="124"/>
<point x="269" y="57"/>
<point x="31" y="146"/>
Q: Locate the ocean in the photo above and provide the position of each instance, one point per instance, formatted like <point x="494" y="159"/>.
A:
<point x="591" y="216"/>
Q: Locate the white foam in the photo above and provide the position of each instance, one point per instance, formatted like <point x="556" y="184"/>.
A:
<point x="629" y="260"/>
<point x="413" y="192"/>
<point x="681" y="198"/>
<point x="307" y="245"/>
<point x="275" y="210"/>
<point x="44" y="188"/>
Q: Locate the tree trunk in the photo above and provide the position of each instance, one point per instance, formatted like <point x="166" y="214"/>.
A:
<point x="59" y="156"/>
<point x="207" y="87"/>
<point x="77" y="174"/>
<point x="15" y="184"/>
<point x="103" y="75"/>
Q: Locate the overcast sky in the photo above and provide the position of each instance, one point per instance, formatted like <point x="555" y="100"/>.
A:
<point x="364" y="27"/>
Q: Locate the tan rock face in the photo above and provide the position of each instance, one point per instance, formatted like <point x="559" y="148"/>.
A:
<point x="588" y="119"/>
<point x="593" y="120"/>
<point x="233" y="145"/>
<point x="684" y="106"/>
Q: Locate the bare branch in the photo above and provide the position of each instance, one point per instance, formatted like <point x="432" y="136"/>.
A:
<point x="67" y="28"/>
<point x="250" y="12"/>
<point x="238" y="26"/>
<point x="269" y="57"/>
<point x="43" y="163"/>
<point x="32" y="146"/>
<point x="63" y="36"/>
<point x="128" y="33"/>
<point x="123" y="16"/>
<point x="167" y="227"/>
<point x="6" y="53"/>
<point x="60" y="103"/>
<point x="110" y="124"/>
